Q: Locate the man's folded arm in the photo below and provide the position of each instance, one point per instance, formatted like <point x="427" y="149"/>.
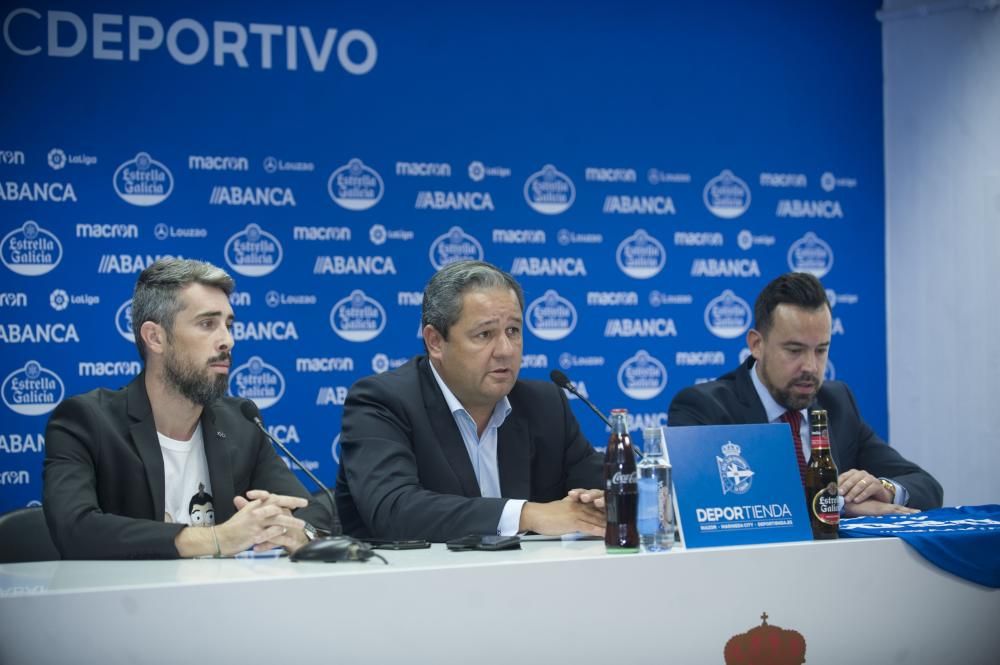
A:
<point x="79" y="528"/>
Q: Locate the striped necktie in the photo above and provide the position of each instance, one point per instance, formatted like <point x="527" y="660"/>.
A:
<point x="794" y="420"/>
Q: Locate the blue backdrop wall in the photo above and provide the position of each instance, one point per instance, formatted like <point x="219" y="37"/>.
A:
<point x="643" y="169"/>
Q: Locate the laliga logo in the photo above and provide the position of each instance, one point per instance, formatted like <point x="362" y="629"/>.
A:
<point x="30" y="250"/>
<point x="253" y="252"/>
<point x="641" y="256"/>
<point x="551" y="317"/>
<point x="726" y="196"/>
<point x="59" y="299"/>
<point x="455" y="245"/>
<point x="143" y="181"/>
<point x="810" y="254"/>
<point x="734" y="472"/>
<point x="549" y="192"/>
<point x="32" y="390"/>
<point x="642" y="376"/>
<point x="123" y="321"/>
<point x="355" y="186"/>
<point x="377" y="234"/>
<point x="728" y="316"/>
<point x="56" y="159"/>
<point x="380" y="363"/>
<point x="358" y="317"/>
<point x="256" y="380"/>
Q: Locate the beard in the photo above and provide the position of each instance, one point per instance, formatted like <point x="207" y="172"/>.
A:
<point x="785" y="396"/>
<point x="199" y="386"/>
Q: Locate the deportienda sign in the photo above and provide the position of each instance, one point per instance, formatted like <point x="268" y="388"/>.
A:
<point x="187" y="41"/>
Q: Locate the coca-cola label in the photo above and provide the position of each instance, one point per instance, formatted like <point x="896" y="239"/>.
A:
<point x="824" y="505"/>
<point x="623" y="478"/>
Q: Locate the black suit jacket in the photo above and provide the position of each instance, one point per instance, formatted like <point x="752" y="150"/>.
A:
<point x="104" y="481"/>
<point x="732" y="400"/>
<point x="405" y="471"/>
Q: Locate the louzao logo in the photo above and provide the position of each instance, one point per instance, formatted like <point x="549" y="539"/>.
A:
<point x="642" y="376"/>
<point x="551" y="317"/>
<point x="810" y="254"/>
<point x="30" y="250"/>
<point x="641" y="256"/>
<point x="358" y="317"/>
<point x="726" y="196"/>
<point x="728" y="316"/>
<point x="123" y="321"/>
<point x="253" y="252"/>
<point x="32" y="390"/>
<point x="549" y="192"/>
<point x="455" y="245"/>
<point x="256" y="380"/>
<point x="355" y="186"/>
<point x="143" y="181"/>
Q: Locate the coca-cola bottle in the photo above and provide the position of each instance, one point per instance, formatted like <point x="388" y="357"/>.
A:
<point x="621" y="488"/>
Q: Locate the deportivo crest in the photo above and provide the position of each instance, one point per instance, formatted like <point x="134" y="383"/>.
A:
<point x="734" y="472"/>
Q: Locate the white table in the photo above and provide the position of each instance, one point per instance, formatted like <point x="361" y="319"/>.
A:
<point x="854" y="601"/>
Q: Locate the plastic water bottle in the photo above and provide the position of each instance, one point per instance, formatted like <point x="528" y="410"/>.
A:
<point x="656" y="509"/>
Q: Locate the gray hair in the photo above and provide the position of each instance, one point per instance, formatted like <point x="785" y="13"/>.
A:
<point x="442" y="305"/>
<point x="155" y="296"/>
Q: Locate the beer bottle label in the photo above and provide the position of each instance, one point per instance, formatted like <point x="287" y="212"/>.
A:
<point x="819" y="441"/>
<point x="824" y="505"/>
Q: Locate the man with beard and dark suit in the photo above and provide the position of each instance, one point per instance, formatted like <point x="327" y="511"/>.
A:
<point x="783" y="378"/>
<point x="168" y="466"/>
<point x="453" y="443"/>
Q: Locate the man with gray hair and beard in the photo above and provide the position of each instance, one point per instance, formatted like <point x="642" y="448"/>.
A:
<point x="125" y="469"/>
<point x="453" y="443"/>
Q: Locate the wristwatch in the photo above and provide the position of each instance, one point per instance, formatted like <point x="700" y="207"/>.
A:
<point x="310" y="531"/>
<point x="887" y="484"/>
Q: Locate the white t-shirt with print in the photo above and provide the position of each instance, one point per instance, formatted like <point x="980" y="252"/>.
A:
<point x="188" y="490"/>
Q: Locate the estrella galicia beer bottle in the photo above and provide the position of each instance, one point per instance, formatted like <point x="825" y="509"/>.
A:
<point x="621" y="488"/>
<point x="821" y="479"/>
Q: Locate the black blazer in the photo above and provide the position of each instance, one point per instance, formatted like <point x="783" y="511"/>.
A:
<point x="103" y="473"/>
<point x="405" y="472"/>
<point x="732" y="400"/>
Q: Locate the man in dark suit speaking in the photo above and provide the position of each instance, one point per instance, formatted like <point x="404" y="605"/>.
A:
<point x="453" y="443"/>
<point x="134" y="473"/>
<point x="783" y="377"/>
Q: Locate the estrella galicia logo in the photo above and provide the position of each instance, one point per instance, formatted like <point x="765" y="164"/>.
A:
<point x="549" y="192"/>
<point x="335" y="449"/>
<point x="642" y="376"/>
<point x="30" y="250"/>
<point x="32" y="390"/>
<point x="734" y="472"/>
<point x="641" y="256"/>
<point x="810" y="254"/>
<point x="256" y="380"/>
<point x="551" y="317"/>
<point x="728" y="316"/>
<point x="253" y="252"/>
<point x="143" y="181"/>
<point x="355" y="186"/>
<point x="123" y="321"/>
<point x="358" y="317"/>
<point x="455" y="245"/>
<point x="726" y="196"/>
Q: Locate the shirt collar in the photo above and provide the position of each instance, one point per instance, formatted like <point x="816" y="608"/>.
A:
<point x="501" y="410"/>
<point x="771" y="407"/>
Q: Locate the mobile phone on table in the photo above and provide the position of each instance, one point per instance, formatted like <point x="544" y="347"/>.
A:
<point x="484" y="543"/>
<point x="386" y="544"/>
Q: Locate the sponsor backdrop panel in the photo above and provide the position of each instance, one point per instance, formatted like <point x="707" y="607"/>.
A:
<point x="643" y="170"/>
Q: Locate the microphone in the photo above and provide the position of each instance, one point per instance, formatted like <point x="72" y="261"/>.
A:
<point x="337" y="548"/>
<point x="563" y="381"/>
